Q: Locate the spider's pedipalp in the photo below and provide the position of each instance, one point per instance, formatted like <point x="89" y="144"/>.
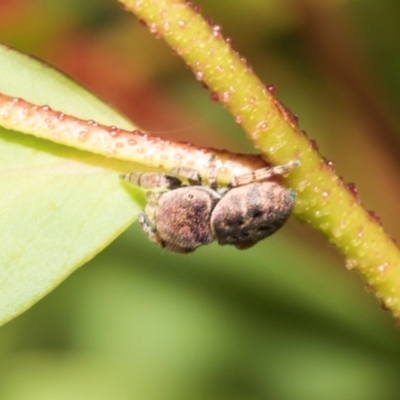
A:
<point x="192" y="175"/>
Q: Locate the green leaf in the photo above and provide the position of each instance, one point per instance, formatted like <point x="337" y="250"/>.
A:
<point x="58" y="206"/>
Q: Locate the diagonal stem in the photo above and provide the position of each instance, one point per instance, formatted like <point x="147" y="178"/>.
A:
<point x="324" y="201"/>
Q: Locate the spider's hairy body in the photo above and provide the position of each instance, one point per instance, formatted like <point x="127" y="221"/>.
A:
<point x="186" y="216"/>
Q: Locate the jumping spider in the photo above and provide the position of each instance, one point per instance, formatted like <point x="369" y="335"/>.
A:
<point x="181" y="216"/>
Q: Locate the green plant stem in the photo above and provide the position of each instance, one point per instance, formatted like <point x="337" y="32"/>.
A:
<point x="324" y="201"/>
<point x="110" y="141"/>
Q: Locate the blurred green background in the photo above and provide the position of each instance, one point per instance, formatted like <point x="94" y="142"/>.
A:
<point x="283" y="320"/>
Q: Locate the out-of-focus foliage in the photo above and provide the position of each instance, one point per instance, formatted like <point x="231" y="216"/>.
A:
<point x="283" y="320"/>
<point x="53" y="194"/>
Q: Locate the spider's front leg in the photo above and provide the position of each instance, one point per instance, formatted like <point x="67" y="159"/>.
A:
<point x="190" y="174"/>
<point x="193" y="177"/>
<point x="152" y="180"/>
<point x="263" y="173"/>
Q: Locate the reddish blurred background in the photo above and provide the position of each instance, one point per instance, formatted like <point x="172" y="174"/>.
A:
<point x="292" y="325"/>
